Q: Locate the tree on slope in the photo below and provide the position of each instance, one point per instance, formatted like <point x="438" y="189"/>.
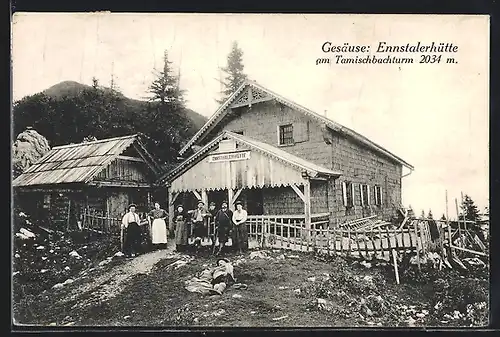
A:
<point x="167" y="124"/>
<point x="235" y="75"/>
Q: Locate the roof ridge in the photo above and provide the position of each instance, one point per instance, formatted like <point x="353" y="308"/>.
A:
<point x="94" y="142"/>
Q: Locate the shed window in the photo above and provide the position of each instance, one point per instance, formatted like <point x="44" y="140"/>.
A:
<point x="286" y="134"/>
<point x="239" y="132"/>
<point x="348" y="194"/>
<point x="378" y="195"/>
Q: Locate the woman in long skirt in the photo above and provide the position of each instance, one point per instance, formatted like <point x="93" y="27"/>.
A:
<point x="158" y="226"/>
<point x="240" y="232"/>
<point x="181" y="229"/>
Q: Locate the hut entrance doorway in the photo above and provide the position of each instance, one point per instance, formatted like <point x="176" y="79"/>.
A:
<point x="254" y="201"/>
<point x="218" y="197"/>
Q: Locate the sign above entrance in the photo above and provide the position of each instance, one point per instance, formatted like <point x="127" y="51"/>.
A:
<point x="216" y="158"/>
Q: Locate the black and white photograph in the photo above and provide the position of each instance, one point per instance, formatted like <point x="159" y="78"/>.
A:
<point x="191" y="170"/>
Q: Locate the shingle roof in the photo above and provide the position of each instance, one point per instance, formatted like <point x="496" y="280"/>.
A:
<point x="74" y="163"/>
<point x="222" y="110"/>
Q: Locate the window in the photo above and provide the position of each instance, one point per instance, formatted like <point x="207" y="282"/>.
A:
<point x="378" y="195"/>
<point x="239" y="132"/>
<point x="286" y="134"/>
<point x="365" y="194"/>
<point x="348" y="194"/>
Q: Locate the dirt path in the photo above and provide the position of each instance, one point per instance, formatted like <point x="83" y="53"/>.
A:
<point x="104" y="286"/>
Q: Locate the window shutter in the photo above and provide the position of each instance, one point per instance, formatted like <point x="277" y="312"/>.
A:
<point x="352" y="195"/>
<point x="344" y="193"/>
<point x="361" y="188"/>
<point x="301" y="131"/>
<point x="368" y="194"/>
<point x="380" y="195"/>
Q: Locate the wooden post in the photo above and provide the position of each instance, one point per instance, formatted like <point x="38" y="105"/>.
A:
<point x="171" y="207"/>
<point x="230" y="196"/>
<point x="458" y="222"/>
<point x="394" y="259"/>
<point x="69" y="213"/>
<point x="307" y="207"/>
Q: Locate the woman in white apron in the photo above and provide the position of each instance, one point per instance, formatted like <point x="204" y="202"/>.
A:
<point x="158" y="225"/>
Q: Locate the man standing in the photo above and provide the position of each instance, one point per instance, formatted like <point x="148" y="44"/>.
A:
<point x="198" y="222"/>
<point x="211" y="222"/>
<point x="223" y="224"/>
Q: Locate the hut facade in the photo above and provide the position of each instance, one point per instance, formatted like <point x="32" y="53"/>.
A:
<point x="99" y="177"/>
<point x="280" y="158"/>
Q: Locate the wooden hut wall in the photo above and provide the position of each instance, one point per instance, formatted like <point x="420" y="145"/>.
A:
<point x="257" y="171"/>
<point x="64" y="205"/>
<point x="284" y="200"/>
<point x="125" y="170"/>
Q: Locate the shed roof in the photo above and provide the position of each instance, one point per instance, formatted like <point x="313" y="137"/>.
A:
<point x="301" y="164"/>
<point x="223" y="110"/>
<point x="79" y="163"/>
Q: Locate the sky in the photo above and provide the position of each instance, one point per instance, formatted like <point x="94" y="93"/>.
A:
<point x="434" y="116"/>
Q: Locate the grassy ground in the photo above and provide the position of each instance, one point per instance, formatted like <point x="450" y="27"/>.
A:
<point x="287" y="289"/>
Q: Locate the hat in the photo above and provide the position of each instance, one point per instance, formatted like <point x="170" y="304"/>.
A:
<point x="222" y="259"/>
<point x="200" y="202"/>
<point x="179" y="205"/>
<point x="238" y="203"/>
<point x="131" y="205"/>
<point x="212" y="203"/>
<point x="224" y="202"/>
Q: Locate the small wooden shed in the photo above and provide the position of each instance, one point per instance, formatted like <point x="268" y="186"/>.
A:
<point x="97" y="178"/>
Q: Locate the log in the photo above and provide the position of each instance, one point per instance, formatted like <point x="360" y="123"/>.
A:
<point x="469" y="251"/>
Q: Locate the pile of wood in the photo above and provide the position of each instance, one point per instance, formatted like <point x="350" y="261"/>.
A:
<point x="363" y="224"/>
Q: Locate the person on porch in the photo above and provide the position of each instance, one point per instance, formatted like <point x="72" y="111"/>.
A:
<point x="181" y="229"/>
<point x="223" y="225"/>
<point x="198" y="217"/>
<point x="131" y="232"/>
<point x="157" y="218"/>
<point x="240" y="232"/>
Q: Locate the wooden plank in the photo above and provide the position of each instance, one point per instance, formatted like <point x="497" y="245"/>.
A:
<point x="396" y="243"/>
<point x="365" y="241"/>
<point x="236" y="195"/>
<point x="171" y="207"/>
<point x="349" y="241"/>
<point x="196" y="194"/>
<point x="469" y="251"/>
<point x="389" y="244"/>
<point x="381" y="242"/>
<point x="328" y="236"/>
<point x="395" y="261"/>
<point x="298" y="192"/>
<point x="69" y="213"/>
<point x="307" y="207"/>
<point x="458" y="222"/>
<point x="230" y="199"/>
<point x="357" y="244"/>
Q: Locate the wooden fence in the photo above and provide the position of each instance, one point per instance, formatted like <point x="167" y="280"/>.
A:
<point x="289" y="232"/>
<point x="97" y="221"/>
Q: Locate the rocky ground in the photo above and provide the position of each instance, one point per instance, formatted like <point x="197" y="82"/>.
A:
<point x="82" y="279"/>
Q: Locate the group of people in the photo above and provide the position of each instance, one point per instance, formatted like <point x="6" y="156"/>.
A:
<point x="218" y="225"/>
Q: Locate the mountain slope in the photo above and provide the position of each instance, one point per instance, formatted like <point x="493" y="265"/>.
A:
<point x="73" y="88"/>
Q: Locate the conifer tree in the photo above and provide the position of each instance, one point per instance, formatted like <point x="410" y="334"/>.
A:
<point x="234" y="72"/>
